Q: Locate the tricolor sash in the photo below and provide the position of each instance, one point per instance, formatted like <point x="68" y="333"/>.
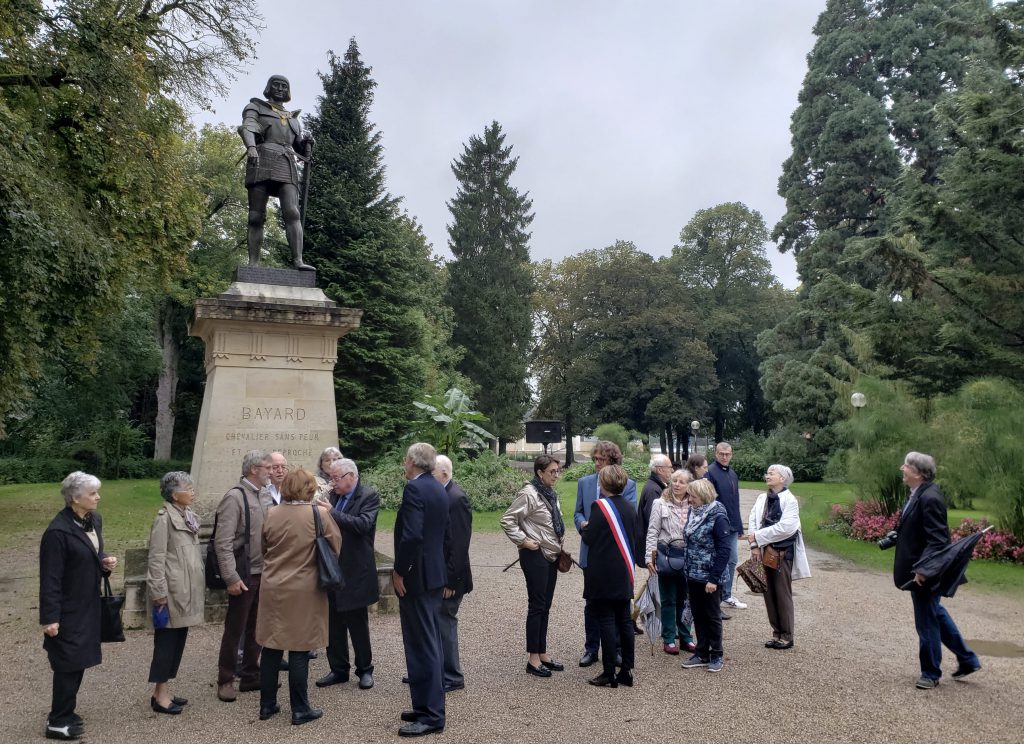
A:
<point x="611" y="514"/>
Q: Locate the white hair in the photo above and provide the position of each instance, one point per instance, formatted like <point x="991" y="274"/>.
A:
<point x="76" y="484"/>
<point x="785" y="472"/>
<point x="345" y="466"/>
<point x="658" y="461"/>
<point x="253" y="458"/>
<point x="444" y="464"/>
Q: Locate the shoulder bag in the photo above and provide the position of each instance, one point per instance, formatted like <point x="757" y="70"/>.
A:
<point x="328" y="567"/>
<point x="671" y="558"/>
<point x="111" y="628"/>
<point x="213" y="578"/>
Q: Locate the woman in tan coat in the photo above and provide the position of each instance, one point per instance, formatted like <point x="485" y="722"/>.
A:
<point x="293" y="611"/>
<point x="176" y="584"/>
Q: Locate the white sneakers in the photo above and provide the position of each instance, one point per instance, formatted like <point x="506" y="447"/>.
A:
<point x="734" y="603"/>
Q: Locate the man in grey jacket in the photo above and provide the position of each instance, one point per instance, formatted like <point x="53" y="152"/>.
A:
<point x="243" y="590"/>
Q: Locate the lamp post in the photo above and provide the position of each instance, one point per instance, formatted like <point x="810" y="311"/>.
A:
<point x="695" y="427"/>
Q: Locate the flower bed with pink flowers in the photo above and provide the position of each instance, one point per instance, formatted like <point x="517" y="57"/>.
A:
<point x="864" y="520"/>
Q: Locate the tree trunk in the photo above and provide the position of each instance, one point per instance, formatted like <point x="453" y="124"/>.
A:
<point x="167" y="383"/>
<point x="719" y="425"/>
<point x="570" y="456"/>
<point x="502" y="444"/>
<point x="662" y="440"/>
<point x="682" y="443"/>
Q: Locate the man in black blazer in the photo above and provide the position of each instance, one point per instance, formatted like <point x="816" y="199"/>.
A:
<point x="922" y="530"/>
<point x="354" y="507"/>
<point x="460" y="578"/>
<point x="419" y="579"/>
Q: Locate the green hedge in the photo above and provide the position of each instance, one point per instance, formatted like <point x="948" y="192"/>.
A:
<point x="489" y="482"/>
<point x="53" y="469"/>
<point x="639" y="470"/>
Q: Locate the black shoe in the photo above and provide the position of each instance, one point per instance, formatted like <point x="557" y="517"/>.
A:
<point x="409" y="716"/>
<point x="778" y="645"/>
<point x="541" y="671"/>
<point x="268" y="711"/>
<point x="283" y="665"/>
<point x="66" y="732"/>
<point x="305" y="717"/>
<point x="419" y="729"/>
<point x="554" y="666"/>
<point x="314" y="654"/>
<point x="333" y="678"/>
<point x="459" y="686"/>
<point x="625" y="677"/>
<point x="365" y="681"/>
<point x="604" y="680"/>
<point x="962" y="670"/>
<point x="588" y="658"/>
<point x="405" y="680"/>
<point x="618" y="659"/>
<point x="171" y="710"/>
<point x="180" y="701"/>
<point x="726" y="617"/>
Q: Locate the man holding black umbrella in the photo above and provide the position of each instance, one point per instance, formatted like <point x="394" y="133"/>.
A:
<point x="922" y="531"/>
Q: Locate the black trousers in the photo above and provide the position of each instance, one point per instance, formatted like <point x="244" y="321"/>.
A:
<point x="344" y="624"/>
<point x="707" y="619"/>
<point x="541" y="576"/>
<point x="298" y="679"/>
<point x="421" y="637"/>
<point x="616" y="628"/>
<point x="65" y="696"/>
<point x="240" y="626"/>
<point x="168" y="646"/>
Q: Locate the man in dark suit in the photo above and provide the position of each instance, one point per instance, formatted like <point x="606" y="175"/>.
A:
<point x="922" y="530"/>
<point x="419" y="579"/>
<point x="604" y="453"/>
<point x="460" y="578"/>
<point x="354" y="507"/>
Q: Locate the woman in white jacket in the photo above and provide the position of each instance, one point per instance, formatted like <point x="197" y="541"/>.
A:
<point x="774" y="528"/>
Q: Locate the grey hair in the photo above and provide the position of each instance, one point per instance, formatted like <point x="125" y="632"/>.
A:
<point x="253" y="458"/>
<point x="77" y="483"/>
<point x="922" y="463"/>
<point x="422" y="456"/>
<point x="346" y="466"/>
<point x="785" y="472"/>
<point x="659" y="460"/>
<point x="723" y="446"/>
<point x="173" y="481"/>
<point x="333" y="451"/>
<point x="444" y="463"/>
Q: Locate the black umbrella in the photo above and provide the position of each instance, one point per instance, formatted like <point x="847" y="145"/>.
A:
<point x="947" y="567"/>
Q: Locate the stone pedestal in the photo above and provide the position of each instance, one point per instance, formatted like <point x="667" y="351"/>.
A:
<point x="271" y="345"/>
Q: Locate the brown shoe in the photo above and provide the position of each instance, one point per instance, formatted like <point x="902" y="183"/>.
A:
<point x="226" y="692"/>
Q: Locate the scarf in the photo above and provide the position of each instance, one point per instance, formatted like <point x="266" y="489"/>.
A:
<point x="699" y="515"/>
<point x="551" y="499"/>
<point x="772" y="510"/>
<point x="84" y="522"/>
<point x="191" y="520"/>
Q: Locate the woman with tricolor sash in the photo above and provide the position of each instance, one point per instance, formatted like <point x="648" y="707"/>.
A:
<point x="613" y="541"/>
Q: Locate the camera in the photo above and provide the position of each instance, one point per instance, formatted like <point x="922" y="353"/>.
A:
<point x="888" y="541"/>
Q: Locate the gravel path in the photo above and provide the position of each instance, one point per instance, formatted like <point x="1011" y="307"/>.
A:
<point x="849" y="678"/>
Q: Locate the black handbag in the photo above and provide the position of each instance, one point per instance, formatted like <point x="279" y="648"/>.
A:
<point x="111" y="628"/>
<point x="212" y="568"/>
<point x="331" y="579"/>
<point x="671" y="559"/>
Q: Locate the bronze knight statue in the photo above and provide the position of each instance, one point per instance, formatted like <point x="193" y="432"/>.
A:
<point x="274" y="140"/>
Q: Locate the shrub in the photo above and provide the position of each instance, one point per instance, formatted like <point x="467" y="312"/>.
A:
<point x="638" y="470"/>
<point x="840" y="520"/>
<point x="488" y="480"/>
<point x="869" y="521"/>
<point x="614" y="433"/>
<point x="994" y="545"/>
<point x="752" y="454"/>
<point x="52" y="470"/>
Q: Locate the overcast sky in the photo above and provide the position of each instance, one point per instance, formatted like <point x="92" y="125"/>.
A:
<point x="627" y="117"/>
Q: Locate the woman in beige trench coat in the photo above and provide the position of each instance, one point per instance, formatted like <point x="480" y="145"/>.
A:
<point x="176" y="585"/>
<point x="292" y="613"/>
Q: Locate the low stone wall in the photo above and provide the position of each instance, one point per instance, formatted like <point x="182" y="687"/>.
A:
<point x="137" y="613"/>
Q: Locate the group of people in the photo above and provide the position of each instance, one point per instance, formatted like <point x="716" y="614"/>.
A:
<point x="684" y="529"/>
<point x="264" y="545"/>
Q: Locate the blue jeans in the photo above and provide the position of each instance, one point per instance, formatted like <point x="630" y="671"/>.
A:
<point x="935" y="629"/>
<point x="730" y="567"/>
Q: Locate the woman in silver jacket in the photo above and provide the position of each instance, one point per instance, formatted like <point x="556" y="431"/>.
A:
<point x="176" y="583"/>
<point x="534" y="523"/>
<point x="666" y="536"/>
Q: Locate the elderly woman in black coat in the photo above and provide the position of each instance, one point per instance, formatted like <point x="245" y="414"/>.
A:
<point x="612" y="536"/>
<point x="71" y="565"/>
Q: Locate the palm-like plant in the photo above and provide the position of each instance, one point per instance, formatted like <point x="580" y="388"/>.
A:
<point x="449" y="422"/>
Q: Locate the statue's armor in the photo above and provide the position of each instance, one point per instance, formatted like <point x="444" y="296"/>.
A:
<point x="274" y="132"/>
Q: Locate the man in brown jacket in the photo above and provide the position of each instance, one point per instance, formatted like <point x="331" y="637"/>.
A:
<point x="243" y="583"/>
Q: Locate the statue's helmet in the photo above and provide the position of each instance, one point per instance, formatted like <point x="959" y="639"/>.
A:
<point x="282" y="78"/>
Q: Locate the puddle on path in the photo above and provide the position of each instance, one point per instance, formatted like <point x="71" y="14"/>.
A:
<point x="996" y="648"/>
<point x="831" y="565"/>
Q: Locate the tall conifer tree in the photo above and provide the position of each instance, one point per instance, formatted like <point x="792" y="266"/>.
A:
<point x="490" y="280"/>
<point x="367" y="256"/>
